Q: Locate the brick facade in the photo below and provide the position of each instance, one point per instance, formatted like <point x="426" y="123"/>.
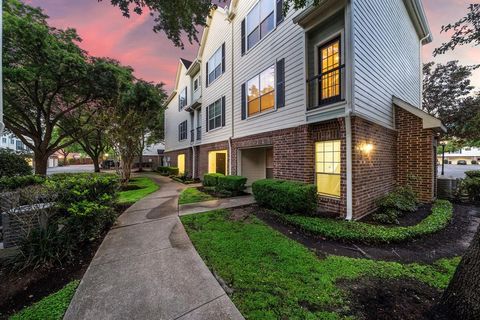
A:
<point x="202" y="154"/>
<point x="173" y="155"/>
<point x="374" y="172"/>
<point x="416" y="163"/>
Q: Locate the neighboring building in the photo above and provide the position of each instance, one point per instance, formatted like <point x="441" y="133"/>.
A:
<point x="10" y="141"/>
<point x="328" y="95"/>
<point x="152" y="156"/>
<point x="467" y="154"/>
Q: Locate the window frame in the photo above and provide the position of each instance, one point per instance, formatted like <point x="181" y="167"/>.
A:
<point x="196" y="83"/>
<point x="274" y="91"/>
<point x="210" y="118"/>
<point x="183" y="131"/>
<point x="210" y="70"/>
<point x="182" y="101"/>
<point x="339" y="175"/>
<point x="261" y="37"/>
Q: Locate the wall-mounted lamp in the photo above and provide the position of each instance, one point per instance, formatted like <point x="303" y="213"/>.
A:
<point x="366" y="148"/>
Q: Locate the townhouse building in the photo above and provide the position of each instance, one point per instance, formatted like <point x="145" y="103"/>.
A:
<point x="329" y="94"/>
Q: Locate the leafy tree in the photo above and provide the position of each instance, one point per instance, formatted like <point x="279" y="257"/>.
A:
<point x="465" y="31"/>
<point x="13" y="164"/>
<point x="466" y="122"/>
<point x="444" y="88"/>
<point x="46" y="77"/>
<point x="177" y="18"/>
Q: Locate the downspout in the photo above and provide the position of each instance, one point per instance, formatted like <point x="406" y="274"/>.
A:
<point x="232" y="98"/>
<point x="193" y="162"/>
<point x="348" y="113"/>
<point x="421" y="68"/>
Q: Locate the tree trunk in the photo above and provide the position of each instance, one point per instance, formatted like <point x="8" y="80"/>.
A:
<point x="41" y="163"/>
<point x="96" y="164"/>
<point x="461" y="299"/>
<point x="140" y="163"/>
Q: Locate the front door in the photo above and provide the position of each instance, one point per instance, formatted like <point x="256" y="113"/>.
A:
<point x="220" y="163"/>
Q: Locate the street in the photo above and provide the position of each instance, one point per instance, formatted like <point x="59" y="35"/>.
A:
<point x="71" y="169"/>
<point x="457" y="171"/>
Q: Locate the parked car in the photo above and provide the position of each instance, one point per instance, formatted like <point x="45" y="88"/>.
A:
<point x="474" y="162"/>
<point x="462" y="162"/>
<point x="107" y="164"/>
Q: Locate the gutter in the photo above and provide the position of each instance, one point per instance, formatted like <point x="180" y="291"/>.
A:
<point x="230" y="14"/>
<point x="193" y="162"/>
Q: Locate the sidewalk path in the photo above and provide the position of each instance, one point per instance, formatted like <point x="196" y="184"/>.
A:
<point x="210" y="205"/>
<point x="147" y="268"/>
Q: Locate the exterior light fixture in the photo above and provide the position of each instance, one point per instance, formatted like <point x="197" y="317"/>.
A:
<point x="366" y="148"/>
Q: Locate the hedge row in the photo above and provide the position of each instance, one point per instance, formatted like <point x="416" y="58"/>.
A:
<point x="286" y="196"/>
<point x="211" y="179"/>
<point x="230" y="185"/>
<point x="167" y="171"/>
<point x="12" y="183"/>
<point x="351" y="231"/>
<point x="473" y="173"/>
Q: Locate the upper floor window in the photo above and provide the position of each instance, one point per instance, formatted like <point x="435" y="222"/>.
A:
<point x="330" y="65"/>
<point x="260" y="21"/>
<point x="214" y="112"/>
<point x="4" y="140"/>
<point x="182" y="131"/>
<point x="182" y="99"/>
<point x="196" y="83"/>
<point x="261" y="92"/>
<point x="216" y="65"/>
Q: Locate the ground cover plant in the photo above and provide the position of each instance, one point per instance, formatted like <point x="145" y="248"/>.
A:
<point x="395" y="204"/>
<point x="273" y="277"/>
<point x="441" y="215"/>
<point x="193" y="195"/>
<point x="137" y="188"/>
<point x="51" y="307"/>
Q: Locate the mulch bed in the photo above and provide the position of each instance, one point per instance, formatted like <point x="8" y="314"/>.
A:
<point x="390" y="299"/>
<point x="449" y="242"/>
<point x="20" y="290"/>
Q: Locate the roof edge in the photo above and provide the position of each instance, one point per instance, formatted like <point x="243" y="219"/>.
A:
<point x="417" y="14"/>
<point x="429" y="121"/>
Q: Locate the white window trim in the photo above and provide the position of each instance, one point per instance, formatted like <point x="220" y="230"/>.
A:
<point x="274" y="90"/>
<point x="246" y="24"/>
<point x="221" y="115"/>
<point x="180" y="98"/>
<point x="221" y="64"/>
<point x="197" y="78"/>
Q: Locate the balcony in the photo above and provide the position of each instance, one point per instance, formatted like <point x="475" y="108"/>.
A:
<point x="199" y="133"/>
<point x="326" y="88"/>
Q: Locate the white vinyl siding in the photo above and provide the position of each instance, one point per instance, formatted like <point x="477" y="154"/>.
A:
<point x="387" y="58"/>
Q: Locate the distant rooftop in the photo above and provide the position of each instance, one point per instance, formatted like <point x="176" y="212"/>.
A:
<point x="186" y="63"/>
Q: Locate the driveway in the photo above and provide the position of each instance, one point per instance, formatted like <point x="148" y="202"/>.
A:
<point x="147" y="268"/>
<point x="457" y="171"/>
<point x="71" y="169"/>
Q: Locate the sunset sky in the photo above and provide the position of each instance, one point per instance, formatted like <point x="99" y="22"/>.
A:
<point x="105" y="32"/>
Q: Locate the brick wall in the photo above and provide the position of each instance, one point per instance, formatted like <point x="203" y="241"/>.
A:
<point x="174" y="157"/>
<point x="203" y="150"/>
<point x="294" y="155"/>
<point x="415" y="164"/>
<point x="373" y="173"/>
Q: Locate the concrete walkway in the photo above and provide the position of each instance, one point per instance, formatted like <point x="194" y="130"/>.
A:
<point x="147" y="268"/>
<point x="210" y="205"/>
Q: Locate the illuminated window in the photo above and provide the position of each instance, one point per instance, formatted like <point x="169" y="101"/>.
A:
<point x="181" y="164"/>
<point x="330" y="71"/>
<point x="217" y="161"/>
<point x="261" y="92"/>
<point x="327" y="167"/>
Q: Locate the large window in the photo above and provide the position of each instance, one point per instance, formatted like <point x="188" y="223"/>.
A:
<point x="215" y="115"/>
<point x="261" y="92"/>
<point x="260" y="21"/>
<point x="182" y="99"/>
<point x="214" y="65"/>
<point x="327" y="167"/>
<point x="182" y="131"/>
<point x="330" y="62"/>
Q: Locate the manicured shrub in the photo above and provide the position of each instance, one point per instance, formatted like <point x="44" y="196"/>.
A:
<point x="13" y="164"/>
<point x="348" y="231"/>
<point x="395" y="204"/>
<point x="286" y="196"/>
<point x="473" y="173"/>
<point x="232" y="185"/>
<point x="211" y="179"/>
<point x="168" y="171"/>
<point x="470" y="187"/>
<point x="12" y="183"/>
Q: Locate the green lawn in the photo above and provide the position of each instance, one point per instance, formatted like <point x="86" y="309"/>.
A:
<point x="146" y="186"/>
<point x="51" y="307"/>
<point x="192" y="195"/>
<point x="274" y="277"/>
